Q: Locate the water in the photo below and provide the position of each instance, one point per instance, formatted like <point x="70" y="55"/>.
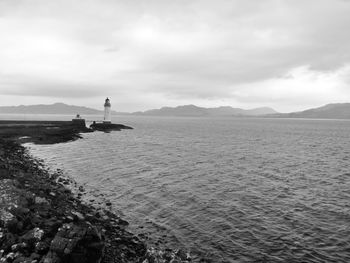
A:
<point x="232" y="190"/>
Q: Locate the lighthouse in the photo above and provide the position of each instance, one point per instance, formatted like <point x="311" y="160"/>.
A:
<point x="107" y="115"/>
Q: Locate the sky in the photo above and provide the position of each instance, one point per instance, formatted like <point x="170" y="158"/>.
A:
<point x="286" y="54"/>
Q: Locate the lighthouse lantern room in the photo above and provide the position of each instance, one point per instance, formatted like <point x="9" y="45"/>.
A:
<point x="107" y="115"/>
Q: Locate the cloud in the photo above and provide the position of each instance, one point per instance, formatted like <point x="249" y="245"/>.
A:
<point x="300" y="87"/>
<point x="179" y="51"/>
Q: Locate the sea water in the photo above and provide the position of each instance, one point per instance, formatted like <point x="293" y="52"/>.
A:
<point x="228" y="189"/>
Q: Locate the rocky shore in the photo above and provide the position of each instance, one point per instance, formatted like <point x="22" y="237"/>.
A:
<point x="41" y="220"/>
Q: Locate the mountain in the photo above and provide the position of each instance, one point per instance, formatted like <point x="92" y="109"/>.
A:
<point x="195" y="111"/>
<point x="56" y="108"/>
<point x="329" y="111"/>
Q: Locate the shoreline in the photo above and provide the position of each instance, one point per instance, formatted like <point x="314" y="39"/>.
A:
<point x="41" y="220"/>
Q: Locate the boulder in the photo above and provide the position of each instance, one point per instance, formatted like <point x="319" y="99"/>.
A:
<point x="76" y="243"/>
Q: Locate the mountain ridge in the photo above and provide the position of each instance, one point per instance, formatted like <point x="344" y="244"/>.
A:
<point x="55" y="108"/>
<point x="193" y="110"/>
<point x="328" y="111"/>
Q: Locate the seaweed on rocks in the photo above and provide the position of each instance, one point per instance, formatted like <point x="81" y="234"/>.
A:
<point x="41" y="220"/>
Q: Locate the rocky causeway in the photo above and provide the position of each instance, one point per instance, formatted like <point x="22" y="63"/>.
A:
<point x="43" y="219"/>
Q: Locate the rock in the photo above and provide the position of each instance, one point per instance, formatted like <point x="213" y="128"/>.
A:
<point x="13" y="226"/>
<point x="10" y="256"/>
<point x="34" y="256"/>
<point x="51" y="257"/>
<point x="78" y="243"/>
<point x="123" y="222"/>
<point x="38" y="233"/>
<point x="15" y="247"/>
<point x="21" y="259"/>
<point x="42" y="247"/>
<point x="51" y="226"/>
<point x="19" y="211"/>
<point x="182" y="255"/>
<point x="41" y="200"/>
<point x="33" y="236"/>
<point x="69" y="219"/>
<point x="5" y="217"/>
<point x="78" y="216"/>
<point x="89" y="217"/>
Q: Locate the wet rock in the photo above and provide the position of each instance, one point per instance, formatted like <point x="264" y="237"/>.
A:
<point x="123" y="222"/>
<point x="19" y="211"/>
<point x="12" y="225"/>
<point x="42" y="247"/>
<point x="35" y="256"/>
<point x="41" y="200"/>
<point x="51" y="226"/>
<point x="21" y="259"/>
<point x="184" y="256"/>
<point x="51" y="257"/>
<point x="32" y="236"/>
<point x="10" y="257"/>
<point x="74" y="242"/>
<point x="69" y="218"/>
<point x="78" y="216"/>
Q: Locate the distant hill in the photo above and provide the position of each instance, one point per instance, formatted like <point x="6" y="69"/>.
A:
<point x="56" y="108"/>
<point x="329" y="111"/>
<point x="192" y="110"/>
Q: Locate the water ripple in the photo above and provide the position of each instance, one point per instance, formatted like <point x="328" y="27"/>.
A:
<point x="231" y="190"/>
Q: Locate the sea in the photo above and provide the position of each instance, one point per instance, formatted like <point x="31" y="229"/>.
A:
<point x="223" y="189"/>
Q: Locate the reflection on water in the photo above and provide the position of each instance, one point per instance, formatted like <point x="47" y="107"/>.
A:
<point x="235" y="190"/>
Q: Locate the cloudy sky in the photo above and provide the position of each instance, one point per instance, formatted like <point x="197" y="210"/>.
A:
<point x="286" y="54"/>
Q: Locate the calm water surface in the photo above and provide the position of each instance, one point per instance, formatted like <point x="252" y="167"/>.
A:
<point x="232" y="190"/>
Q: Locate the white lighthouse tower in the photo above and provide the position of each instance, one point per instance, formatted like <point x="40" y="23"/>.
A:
<point x="107" y="115"/>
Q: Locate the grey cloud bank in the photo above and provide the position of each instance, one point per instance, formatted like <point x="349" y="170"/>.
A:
<point x="288" y="55"/>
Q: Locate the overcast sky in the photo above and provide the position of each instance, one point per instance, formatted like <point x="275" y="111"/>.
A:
<point x="286" y="54"/>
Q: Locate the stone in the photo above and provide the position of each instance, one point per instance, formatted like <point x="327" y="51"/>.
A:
<point x="78" y="242"/>
<point x="41" y="200"/>
<point x="51" y="258"/>
<point x="34" y="256"/>
<point x="69" y="219"/>
<point x="21" y="259"/>
<point x="78" y="216"/>
<point x="123" y="222"/>
<point x="19" y="211"/>
<point x="12" y="226"/>
<point x="42" y="247"/>
<point x="32" y="236"/>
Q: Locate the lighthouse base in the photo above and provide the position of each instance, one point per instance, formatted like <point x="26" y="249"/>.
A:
<point x="107" y="122"/>
<point x="108" y="126"/>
